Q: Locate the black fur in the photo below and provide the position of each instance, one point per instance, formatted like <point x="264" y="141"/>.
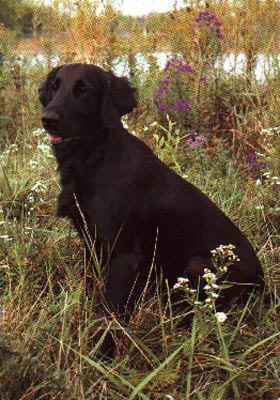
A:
<point x="114" y="182"/>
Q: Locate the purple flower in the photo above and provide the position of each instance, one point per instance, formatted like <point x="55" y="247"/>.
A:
<point x="178" y="64"/>
<point x="166" y="66"/>
<point x="165" y="81"/>
<point x="200" y="139"/>
<point x="191" y="143"/>
<point x="186" y="68"/>
<point x="194" y="141"/>
<point x="162" y="107"/>
<point x="251" y="158"/>
<point x="203" y="79"/>
<point x="210" y="20"/>
<point x="169" y="62"/>
<point x="160" y="91"/>
<point x="181" y="105"/>
<point x="181" y="67"/>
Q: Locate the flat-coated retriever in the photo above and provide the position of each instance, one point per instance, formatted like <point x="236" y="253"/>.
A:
<point x="118" y="192"/>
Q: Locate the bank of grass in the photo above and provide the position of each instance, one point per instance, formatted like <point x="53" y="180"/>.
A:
<point x="47" y="319"/>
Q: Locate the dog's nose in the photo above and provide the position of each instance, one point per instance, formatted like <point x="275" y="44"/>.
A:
<point x="50" y="120"/>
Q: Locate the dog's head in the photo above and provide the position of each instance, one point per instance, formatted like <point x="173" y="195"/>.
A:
<point x="79" y="99"/>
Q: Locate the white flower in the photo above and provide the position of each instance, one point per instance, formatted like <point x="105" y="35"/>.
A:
<point x="207" y="287"/>
<point x="182" y="280"/>
<point x="221" y="317"/>
<point x="209" y="276"/>
<point x="39" y="187"/>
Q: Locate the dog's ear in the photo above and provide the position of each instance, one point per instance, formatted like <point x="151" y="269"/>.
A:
<point x="119" y="99"/>
<point x="123" y="95"/>
<point x="45" y="87"/>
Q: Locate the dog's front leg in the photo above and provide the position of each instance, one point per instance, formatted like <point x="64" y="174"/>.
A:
<point x="124" y="282"/>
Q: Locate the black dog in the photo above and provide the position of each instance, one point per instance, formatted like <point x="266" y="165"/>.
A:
<point x="117" y="191"/>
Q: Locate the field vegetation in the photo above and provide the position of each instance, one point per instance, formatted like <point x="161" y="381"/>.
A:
<point x="217" y="129"/>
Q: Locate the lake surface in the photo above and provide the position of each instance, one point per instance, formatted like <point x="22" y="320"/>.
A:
<point x="266" y="66"/>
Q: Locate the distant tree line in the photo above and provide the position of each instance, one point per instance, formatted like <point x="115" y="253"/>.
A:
<point x="18" y="15"/>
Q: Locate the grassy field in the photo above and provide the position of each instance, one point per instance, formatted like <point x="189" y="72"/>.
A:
<point x="228" y="145"/>
<point x="47" y="321"/>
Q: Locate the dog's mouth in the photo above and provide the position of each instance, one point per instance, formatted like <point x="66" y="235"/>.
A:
<point x="59" y="139"/>
<point x="54" y="138"/>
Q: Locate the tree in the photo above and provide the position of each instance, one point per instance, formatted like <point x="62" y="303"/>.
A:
<point x="9" y="13"/>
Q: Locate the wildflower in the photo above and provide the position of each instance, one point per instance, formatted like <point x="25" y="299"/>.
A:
<point x="39" y="132"/>
<point x="167" y="66"/>
<point x="162" y="107"/>
<point x="33" y="163"/>
<point x="5" y="237"/>
<point x="221" y="317"/>
<point x="38" y="187"/>
<point x="161" y="91"/>
<point x="182" y="280"/>
<point x="207" y="287"/>
<point x="210" y="277"/>
<point x="211" y="21"/>
<point x="165" y="81"/>
<point x="252" y="162"/>
<point x="181" y="105"/>
<point x="194" y="141"/>
<point x="200" y="139"/>
<point x="177" y="286"/>
<point x="185" y="68"/>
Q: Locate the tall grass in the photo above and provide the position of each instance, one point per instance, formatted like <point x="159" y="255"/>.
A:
<point x="50" y="302"/>
<point x="48" y="318"/>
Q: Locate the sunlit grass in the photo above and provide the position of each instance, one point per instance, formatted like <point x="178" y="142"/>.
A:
<point x="49" y="314"/>
<point x="48" y="321"/>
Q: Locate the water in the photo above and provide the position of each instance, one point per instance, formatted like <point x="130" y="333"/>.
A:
<point x="266" y="66"/>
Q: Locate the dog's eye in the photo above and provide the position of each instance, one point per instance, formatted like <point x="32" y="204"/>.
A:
<point x="80" y="88"/>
